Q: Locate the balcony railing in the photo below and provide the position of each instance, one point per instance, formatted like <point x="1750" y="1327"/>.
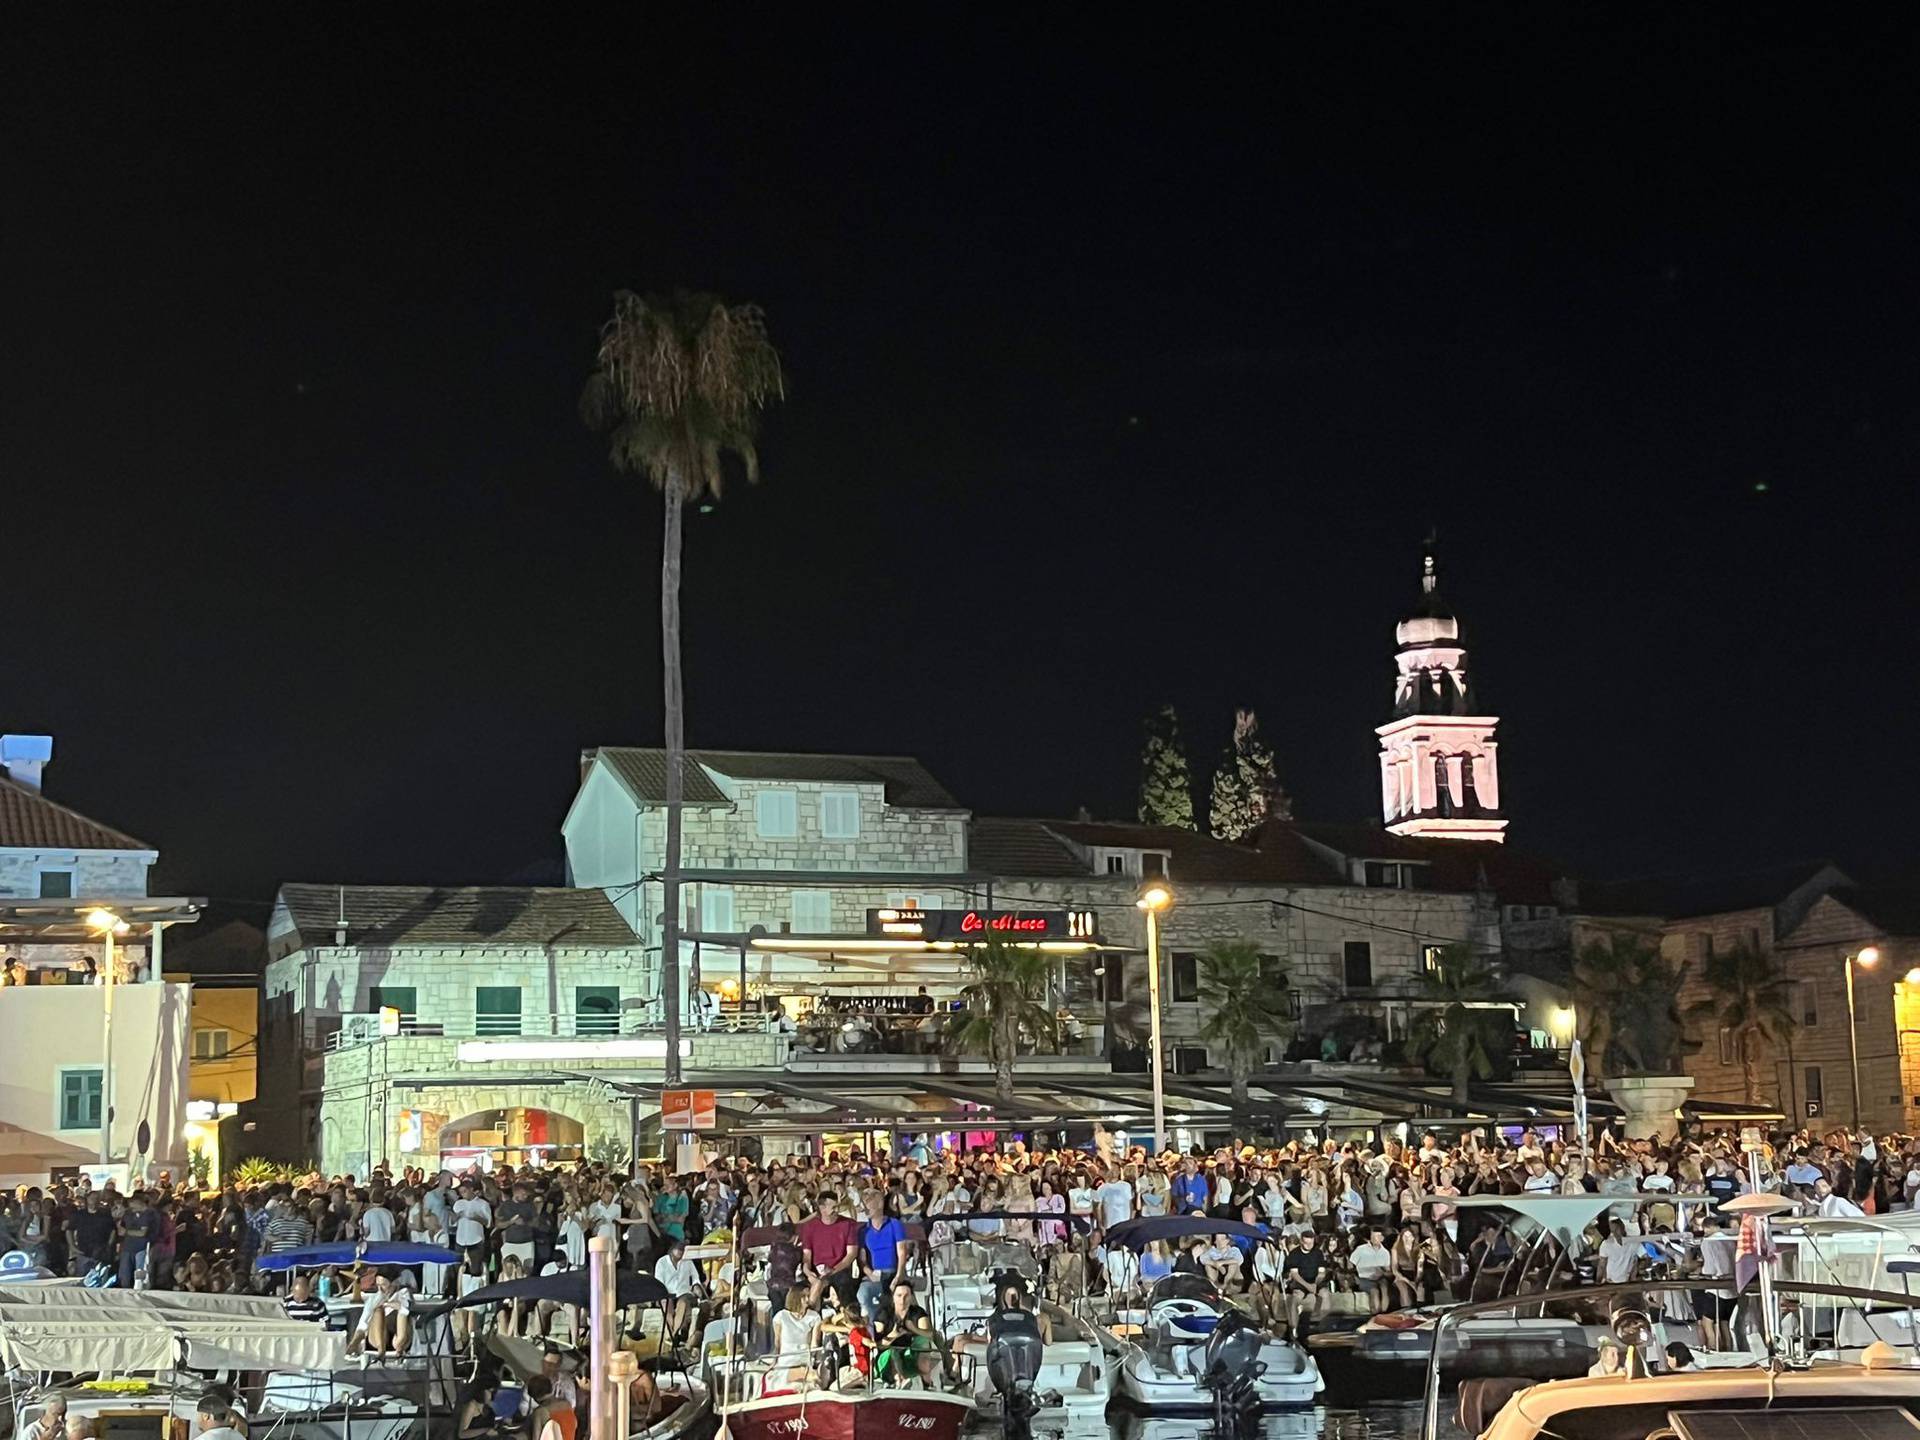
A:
<point x="355" y="1030"/>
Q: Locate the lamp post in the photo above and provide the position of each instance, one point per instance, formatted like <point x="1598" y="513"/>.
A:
<point x="1155" y="896"/>
<point x="1867" y="956"/>
<point x="108" y="925"/>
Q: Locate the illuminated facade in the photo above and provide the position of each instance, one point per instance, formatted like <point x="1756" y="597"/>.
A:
<point x="1439" y="762"/>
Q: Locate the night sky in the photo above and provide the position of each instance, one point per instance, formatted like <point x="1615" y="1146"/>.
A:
<point x="1127" y="365"/>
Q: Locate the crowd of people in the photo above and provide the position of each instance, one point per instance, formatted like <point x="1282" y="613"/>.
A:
<point x="1347" y="1225"/>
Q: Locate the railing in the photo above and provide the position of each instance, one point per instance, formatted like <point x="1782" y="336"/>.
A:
<point x="357" y="1030"/>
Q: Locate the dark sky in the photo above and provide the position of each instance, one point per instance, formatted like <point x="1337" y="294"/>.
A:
<point x="1128" y="362"/>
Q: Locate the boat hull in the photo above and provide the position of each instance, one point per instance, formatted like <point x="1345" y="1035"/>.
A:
<point x="1144" y="1387"/>
<point x="829" y="1415"/>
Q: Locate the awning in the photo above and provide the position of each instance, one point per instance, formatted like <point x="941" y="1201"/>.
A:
<point x="126" y="1332"/>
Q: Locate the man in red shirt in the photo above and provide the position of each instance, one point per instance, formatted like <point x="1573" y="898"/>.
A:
<point x="829" y="1244"/>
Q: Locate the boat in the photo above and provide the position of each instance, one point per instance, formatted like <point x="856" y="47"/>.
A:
<point x="129" y="1359"/>
<point x="1177" y="1364"/>
<point x="769" y="1399"/>
<point x="1388" y="1354"/>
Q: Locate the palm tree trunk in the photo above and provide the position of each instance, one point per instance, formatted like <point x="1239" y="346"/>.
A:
<point x="1240" y="1076"/>
<point x="1004" y="1042"/>
<point x="1463" y="1080"/>
<point x="676" y="745"/>
<point x="1749" y="1065"/>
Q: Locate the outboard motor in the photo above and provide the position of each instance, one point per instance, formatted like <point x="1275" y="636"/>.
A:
<point x="1013" y="1364"/>
<point x="1231" y="1368"/>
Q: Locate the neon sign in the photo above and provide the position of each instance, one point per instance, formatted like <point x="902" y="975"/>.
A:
<point x="913" y="923"/>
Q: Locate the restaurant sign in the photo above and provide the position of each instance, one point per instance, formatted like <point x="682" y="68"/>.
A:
<point x="913" y="923"/>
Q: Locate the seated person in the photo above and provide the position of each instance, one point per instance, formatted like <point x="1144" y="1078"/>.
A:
<point x="1012" y="1312"/>
<point x="910" y="1346"/>
<point x="1221" y="1262"/>
<point x="385" y="1325"/>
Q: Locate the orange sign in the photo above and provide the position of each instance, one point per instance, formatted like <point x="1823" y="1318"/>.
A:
<point x="687" y="1110"/>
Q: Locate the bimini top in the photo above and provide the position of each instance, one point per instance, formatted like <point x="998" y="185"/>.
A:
<point x="1135" y="1234"/>
<point x="131" y="1332"/>
<point x="352" y="1252"/>
<point x="1565" y="1215"/>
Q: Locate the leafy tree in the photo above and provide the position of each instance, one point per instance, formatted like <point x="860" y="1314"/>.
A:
<point x="1166" y="781"/>
<point x="681" y="381"/>
<point x="1456" y="1032"/>
<point x="1750" y="995"/>
<point x="1630" y="1000"/>
<point x="1246" y="1008"/>
<point x="1006" y="999"/>
<point x="1246" y="787"/>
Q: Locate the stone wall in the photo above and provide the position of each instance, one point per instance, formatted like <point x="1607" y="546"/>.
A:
<point x="96" y="872"/>
<point x="891" y="839"/>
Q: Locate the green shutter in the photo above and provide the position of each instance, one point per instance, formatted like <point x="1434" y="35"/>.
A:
<point x="404" y="998"/>
<point x="496" y="1010"/>
<point x="80" y="1100"/>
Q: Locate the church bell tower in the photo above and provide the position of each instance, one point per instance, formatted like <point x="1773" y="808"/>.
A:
<point x="1439" y="763"/>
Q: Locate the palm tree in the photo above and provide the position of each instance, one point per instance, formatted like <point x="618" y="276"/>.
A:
<point x="1006" y="999"/>
<point x="1629" y="997"/>
<point x="1247" y="1009"/>
<point x="681" y="381"/>
<point x="1458" y="1030"/>
<point x="1750" y="996"/>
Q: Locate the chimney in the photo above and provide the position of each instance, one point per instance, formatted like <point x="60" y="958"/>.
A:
<point x="23" y="757"/>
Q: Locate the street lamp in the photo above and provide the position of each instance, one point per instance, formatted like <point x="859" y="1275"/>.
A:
<point x="1867" y="956"/>
<point x="108" y="925"/>
<point x="1155" y="896"/>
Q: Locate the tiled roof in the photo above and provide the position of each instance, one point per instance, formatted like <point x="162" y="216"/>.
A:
<point x="455" y="915"/>
<point x="1893" y="911"/>
<point x="30" y="821"/>
<point x="1512" y="875"/>
<point x="1023" y="848"/>
<point x="906" y="780"/>
<point x="1680" y="897"/>
<point x="1196" y="857"/>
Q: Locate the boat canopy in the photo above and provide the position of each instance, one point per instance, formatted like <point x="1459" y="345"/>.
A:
<point x="1135" y="1234"/>
<point x="571" y="1287"/>
<point x="1564" y="1215"/>
<point x="348" y="1252"/>
<point x="126" y="1332"/>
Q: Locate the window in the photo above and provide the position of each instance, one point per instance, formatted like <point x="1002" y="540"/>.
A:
<point x="716" y="909"/>
<point x="1816" y="1096"/>
<point x="1189" y="1059"/>
<point x="1442" y="793"/>
<point x="1432" y="957"/>
<point x="1186" y="977"/>
<point x="1379" y="875"/>
<point x="496" y="1010"/>
<point x="1809" y="1004"/>
<point x="776" y="814"/>
<point x="813" y="912"/>
<point x="596" y="1009"/>
<point x="1545" y="912"/>
<point x="1516" y="912"/>
<point x="1358" y="957"/>
<point x="1153" y="863"/>
<point x="1113" y="978"/>
<point x="403" y="998"/>
<point x="1116" y="864"/>
<point x="56" y="884"/>
<point x="1706" y="946"/>
<point x="1753" y="939"/>
<point x="80" y="1099"/>
<point x="1728" y="1050"/>
<point x="840" y="815"/>
<point x="211" y="1044"/>
<point x="1469" y="800"/>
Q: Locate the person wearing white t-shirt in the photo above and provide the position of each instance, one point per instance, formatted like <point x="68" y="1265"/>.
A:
<point x="681" y="1277"/>
<point x="472" y="1217"/>
<point x="1371" y="1260"/>
<point x="1116" y="1202"/>
<point x="1619" y="1254"/>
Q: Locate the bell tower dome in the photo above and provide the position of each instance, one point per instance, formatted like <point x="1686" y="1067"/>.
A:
<point x="1439" y="763"/>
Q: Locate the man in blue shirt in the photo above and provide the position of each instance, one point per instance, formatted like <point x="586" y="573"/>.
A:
<point x="884" y="1239"/>
<point x="1191" y="1192"/>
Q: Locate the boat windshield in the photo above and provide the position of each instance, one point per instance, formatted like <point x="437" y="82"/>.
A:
<point x="1182" y="1287"/>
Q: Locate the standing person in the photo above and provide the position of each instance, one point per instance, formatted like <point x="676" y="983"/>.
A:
<point x="513" y="1223"/>
<point x="1115" y="1199"/>
<point x="884" y="1240"/>
<point x="137" y="1228"/>
<point x="472" y="1222"/>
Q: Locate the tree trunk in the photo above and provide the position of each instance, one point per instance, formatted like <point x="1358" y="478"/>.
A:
<point x="1463" y="1080"/>
<point x="1240" y="1076"/>
<point x="1004" y="1043"/>
<point x="1749" y="1065"/>
<point x="676" y="719"/>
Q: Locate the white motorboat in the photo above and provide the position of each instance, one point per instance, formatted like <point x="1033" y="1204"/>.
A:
<point x="1191" y="1340"/>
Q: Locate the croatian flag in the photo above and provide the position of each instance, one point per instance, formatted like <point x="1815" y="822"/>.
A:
<point x="1756" y="1248"/>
